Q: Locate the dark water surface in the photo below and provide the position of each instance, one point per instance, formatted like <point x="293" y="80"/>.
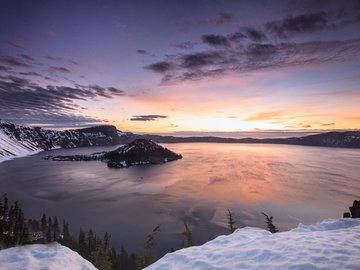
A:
<point x="292" y="183"/>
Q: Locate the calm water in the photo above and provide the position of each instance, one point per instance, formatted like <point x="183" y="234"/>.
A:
<point x="292" y="183"/>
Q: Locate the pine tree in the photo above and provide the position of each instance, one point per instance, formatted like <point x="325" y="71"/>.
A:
<point x="90" y="242"/>
<point x="107" y="241"/>
<point x="49" y="230"/>
<point x="43" y="224"/>
<point x="82" y="243"/>
<point x="270" y="225"/>
<point x="188" y="237"/>
<point x="56" y="229"/>
<point x="150" y="244"/>
<point x="231" y="222"/>
<point x="100" y="258"/>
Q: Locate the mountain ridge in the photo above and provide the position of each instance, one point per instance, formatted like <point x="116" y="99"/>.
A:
<point x="18" y="140"/>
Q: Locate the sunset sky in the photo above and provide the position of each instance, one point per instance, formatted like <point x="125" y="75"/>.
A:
<point x="168" y="66"/>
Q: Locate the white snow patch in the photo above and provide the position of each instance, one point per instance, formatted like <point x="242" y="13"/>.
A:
<point x="332" y="244"/>
<point x="35" y="257"/>
<point x="11" y="148"/>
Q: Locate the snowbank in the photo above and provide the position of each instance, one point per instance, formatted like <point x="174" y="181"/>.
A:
<point x="35" y="257"/>
<point x="332" y="244"/>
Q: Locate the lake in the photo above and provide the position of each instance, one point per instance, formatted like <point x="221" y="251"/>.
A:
<point x="291" y="183"/>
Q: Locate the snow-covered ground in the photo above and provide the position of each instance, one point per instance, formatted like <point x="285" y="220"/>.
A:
<point x="332" y="244"/>
<point x="12" y="148"/>
<point x="42" y="257"/>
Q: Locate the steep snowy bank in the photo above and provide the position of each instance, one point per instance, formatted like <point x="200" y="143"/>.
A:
<point x="35" y="257"/>
<point x="332" y="244"/>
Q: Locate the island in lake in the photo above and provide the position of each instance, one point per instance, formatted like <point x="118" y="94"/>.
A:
<point x="138" y="152"/>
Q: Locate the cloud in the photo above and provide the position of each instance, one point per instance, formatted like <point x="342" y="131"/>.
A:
<point x="215" y="40"/>
<point x="53" y="58"/>
<point x="31" y="73"/>
<point x="265" y="116"/>
<point x="27" y="57"/>
<point x="150" y="117"/>
<point x="327" y="124"/>
<point x="74" y="62"/>
<point x="305" y="23"/>
<point x="160" y="67"/>
<point x="251" y="57"/>
<point x="187" y="45"/>
<point x="197" y="60"/>
<point x="141" y="51"/>
<point x="221" y="19"/>
<point x="58" y="69"/>
<point x="12" y="44"/>
<point x="13" y="61"/>
<point x="254" y="34"/>
<point x="26" y="101"/>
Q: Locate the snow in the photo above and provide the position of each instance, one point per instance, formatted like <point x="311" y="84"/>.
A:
<point x="45" y="257"/>
<point x="12" y="148"/>
<point x="332" y="244"/>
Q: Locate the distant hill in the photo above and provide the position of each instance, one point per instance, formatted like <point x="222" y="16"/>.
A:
<point x="347" y="139"/>
<point x="18" y="141"/>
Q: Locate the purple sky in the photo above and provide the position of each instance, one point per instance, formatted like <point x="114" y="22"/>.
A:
<point x="169" y="66"/>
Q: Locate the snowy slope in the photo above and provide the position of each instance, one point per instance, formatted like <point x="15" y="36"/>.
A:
<point x="19" y="141"/>
<point x="332" y="244"/>
<point x="11" y="147"/>
<point x="35" y="257"/>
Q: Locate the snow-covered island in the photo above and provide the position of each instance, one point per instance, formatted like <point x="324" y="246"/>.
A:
<point x="331" y="244"/>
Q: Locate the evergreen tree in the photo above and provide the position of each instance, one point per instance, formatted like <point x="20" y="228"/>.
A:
<point x="82" y="243"/>
<point x="49" y="230"/>
<point x="43" y="224"/>
<point x="107" y="241"/>
<point x="270" y="225"/>
<point x="90" y="242"/>
<point x="56" y="229"/>
<point x="188" y="236"/>
<point x="100" y="258"/>
<point x="150" y="244"/>
<point x="231" y="222"/>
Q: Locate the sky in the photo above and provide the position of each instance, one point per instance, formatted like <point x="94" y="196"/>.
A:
<point x="164" y="66"/>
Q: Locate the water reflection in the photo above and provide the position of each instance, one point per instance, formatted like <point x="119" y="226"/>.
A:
<point x="292" y="183"/>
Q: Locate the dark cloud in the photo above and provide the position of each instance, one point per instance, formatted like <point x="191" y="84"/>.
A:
<point x="305" y="23"/>
<point x="24" y="100"/>
<point x="255" y="35"/>
<point x="27" y="57"/>
<point x="4" y="68"/>
<point x="197" y="60"/>
<point x="12" y="44"/>
<point x="237" y="36"/>
<point x="150" y="117"/>
<point x="215" y="40"/>
<point x="141" y="51"/>
<point x="13" y="61"/>
<point x="31" y="73"/>
<point x="74" y="62"/>
<point x="160" y="67"/>
<point x="60" y="69"/>
<point x="53" y="58"/>
<point x="254" y="56"/>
